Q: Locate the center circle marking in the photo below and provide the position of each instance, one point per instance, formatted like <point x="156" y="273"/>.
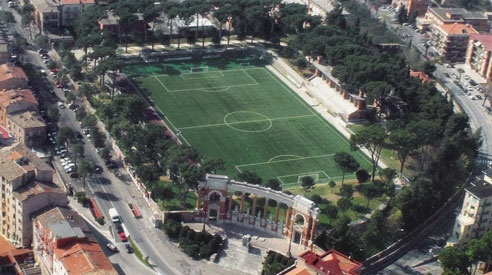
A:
<point x="233" y="124"/>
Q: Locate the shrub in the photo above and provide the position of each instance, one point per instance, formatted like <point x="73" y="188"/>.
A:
<point x="316" y="199"/>
<point x="172" y="228"/>
<point x="205" y="252"/>
<point x="301" y="62"/>
<point x="192" y="250"/>
<point x="360" y="208"/>
<point x="332" y="184"/>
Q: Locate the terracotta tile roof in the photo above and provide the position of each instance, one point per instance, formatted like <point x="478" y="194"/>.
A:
<point x="457" y="28"/>
<point x="77" y="2"/>
<point x="10" y="169"/>
<point x="84" y="258"/>
<point x="9" y="71"/>
<point x="331" y="262"/>
<point x="484" y="39"/>
<point x="27" y="119"/>
<point x="12" y="96"/>
<point x="5" y="133"/>
<point x="60" y="214"/>
<point x="298" y="271"/>
<point x="34" y="189"/>
<point x="423" y="76"/>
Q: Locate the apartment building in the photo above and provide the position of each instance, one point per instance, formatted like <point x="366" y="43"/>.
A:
<point x="441" y="16"/>
<point x="418" y="6"/>
<point x="16" y="261"/>
<point x="12" y="77"/>
<point x="25" y="187"/>
<point x="475" y="217"/>
<point x="451" y="40"/>
<point x="478" y="54"/>
<point x="71" y="10"/>
<point x="18" y="114"/>
<point x="63" y="244"/>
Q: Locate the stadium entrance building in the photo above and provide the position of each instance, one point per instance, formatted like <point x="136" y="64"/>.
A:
<point x="214" y="203"/>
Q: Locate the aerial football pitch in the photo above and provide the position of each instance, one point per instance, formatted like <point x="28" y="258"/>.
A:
<point x="239" y="111"/>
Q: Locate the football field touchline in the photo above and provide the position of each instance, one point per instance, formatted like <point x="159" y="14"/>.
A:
<point x="250" y="77"/>
<point x="210" y="88"/>
<point x="162" y="84"/>
<point x="284" y="160"/>
<point x="242" y="122"/>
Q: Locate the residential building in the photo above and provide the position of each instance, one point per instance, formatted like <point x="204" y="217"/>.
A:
<point x="451" y="40"/>
<point x="72" y="9"/>
<point x="440" y="16"/>
<point x="14" y="101"/>
<point x="478" y="54"/>
<point x="25" y="187"/>
<point x="475" y="217"/>
<point x="27" y="127"/>
<point x="63" y="244"/>
<point x="18" y="115"/>
<point x="4" y="51"/>
<point x="16" y="261"/>
<point x="110" y="23"/>
<point x="330" y="262"/>
<point x="12" y="77"/>
<point x="418" y="6"/>
<point x="46" y="14"/>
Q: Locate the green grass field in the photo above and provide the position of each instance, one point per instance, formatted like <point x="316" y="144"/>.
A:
<point x="243" y="114"/>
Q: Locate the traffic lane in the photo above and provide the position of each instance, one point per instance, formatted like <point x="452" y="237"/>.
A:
<point x="136" y="228"/>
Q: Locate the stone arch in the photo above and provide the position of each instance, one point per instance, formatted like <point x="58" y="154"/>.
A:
<point x="299" y="219"/>
<point x="214" y="196"/>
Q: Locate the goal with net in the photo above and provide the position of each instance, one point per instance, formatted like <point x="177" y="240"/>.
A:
<point x="315" y="177"/>
<point x="244" y="64"/>
<point x="199" y="69"/>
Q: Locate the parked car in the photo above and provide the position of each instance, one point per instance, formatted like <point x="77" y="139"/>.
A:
<point x="112" y="247"/>
<point x="129" y="248"/>
<point x="98" y="169"/>
<point x="123" y="238"/>
<point x="119" y="228"/>
<point x="74" y="175"/>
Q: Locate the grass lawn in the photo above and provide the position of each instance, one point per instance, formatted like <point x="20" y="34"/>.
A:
<point x="174" y="203"/>
<point x="238" y="111"/>
<point x="331" y="194"/>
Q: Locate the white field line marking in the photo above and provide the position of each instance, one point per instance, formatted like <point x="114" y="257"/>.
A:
<point x="284" y="160"/>
<point x="295" y="156"/>
<point x="221" y="71"/>
<point x="207" y="77"/>
<point x="312" y="111"/>
<point x="242" y="122"/>
<point x="162" y="84"/>
<point x="211" y="88"/>
<point x="305" y="174"/>
<point x="250" y="76"/>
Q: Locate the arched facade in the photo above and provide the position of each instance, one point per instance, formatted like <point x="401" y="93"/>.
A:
<point x="214" y="203"/>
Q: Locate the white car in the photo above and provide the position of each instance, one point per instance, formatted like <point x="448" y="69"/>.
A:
<point x="66" y="162"/>
<point x="67" y="166"/>
<point x="61" y="151"/>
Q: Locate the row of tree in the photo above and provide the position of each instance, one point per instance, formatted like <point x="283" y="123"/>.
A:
<point x="465" y="260"/>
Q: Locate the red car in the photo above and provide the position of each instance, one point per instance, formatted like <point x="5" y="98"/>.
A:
<point x="58" y="85"/>
<point x="123" y="237"/>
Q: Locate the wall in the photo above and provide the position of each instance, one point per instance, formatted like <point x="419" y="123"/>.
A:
<point x="36" y="203"/>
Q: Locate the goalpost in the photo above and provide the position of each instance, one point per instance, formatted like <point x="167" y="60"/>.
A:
<point x="199" y="69"/>
<point x="315" y="177"/>
<point x="244" y="64"/>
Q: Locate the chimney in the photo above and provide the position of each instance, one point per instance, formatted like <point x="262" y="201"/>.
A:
<point x="361" y="93"/>
<point x="319" y="60"/>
